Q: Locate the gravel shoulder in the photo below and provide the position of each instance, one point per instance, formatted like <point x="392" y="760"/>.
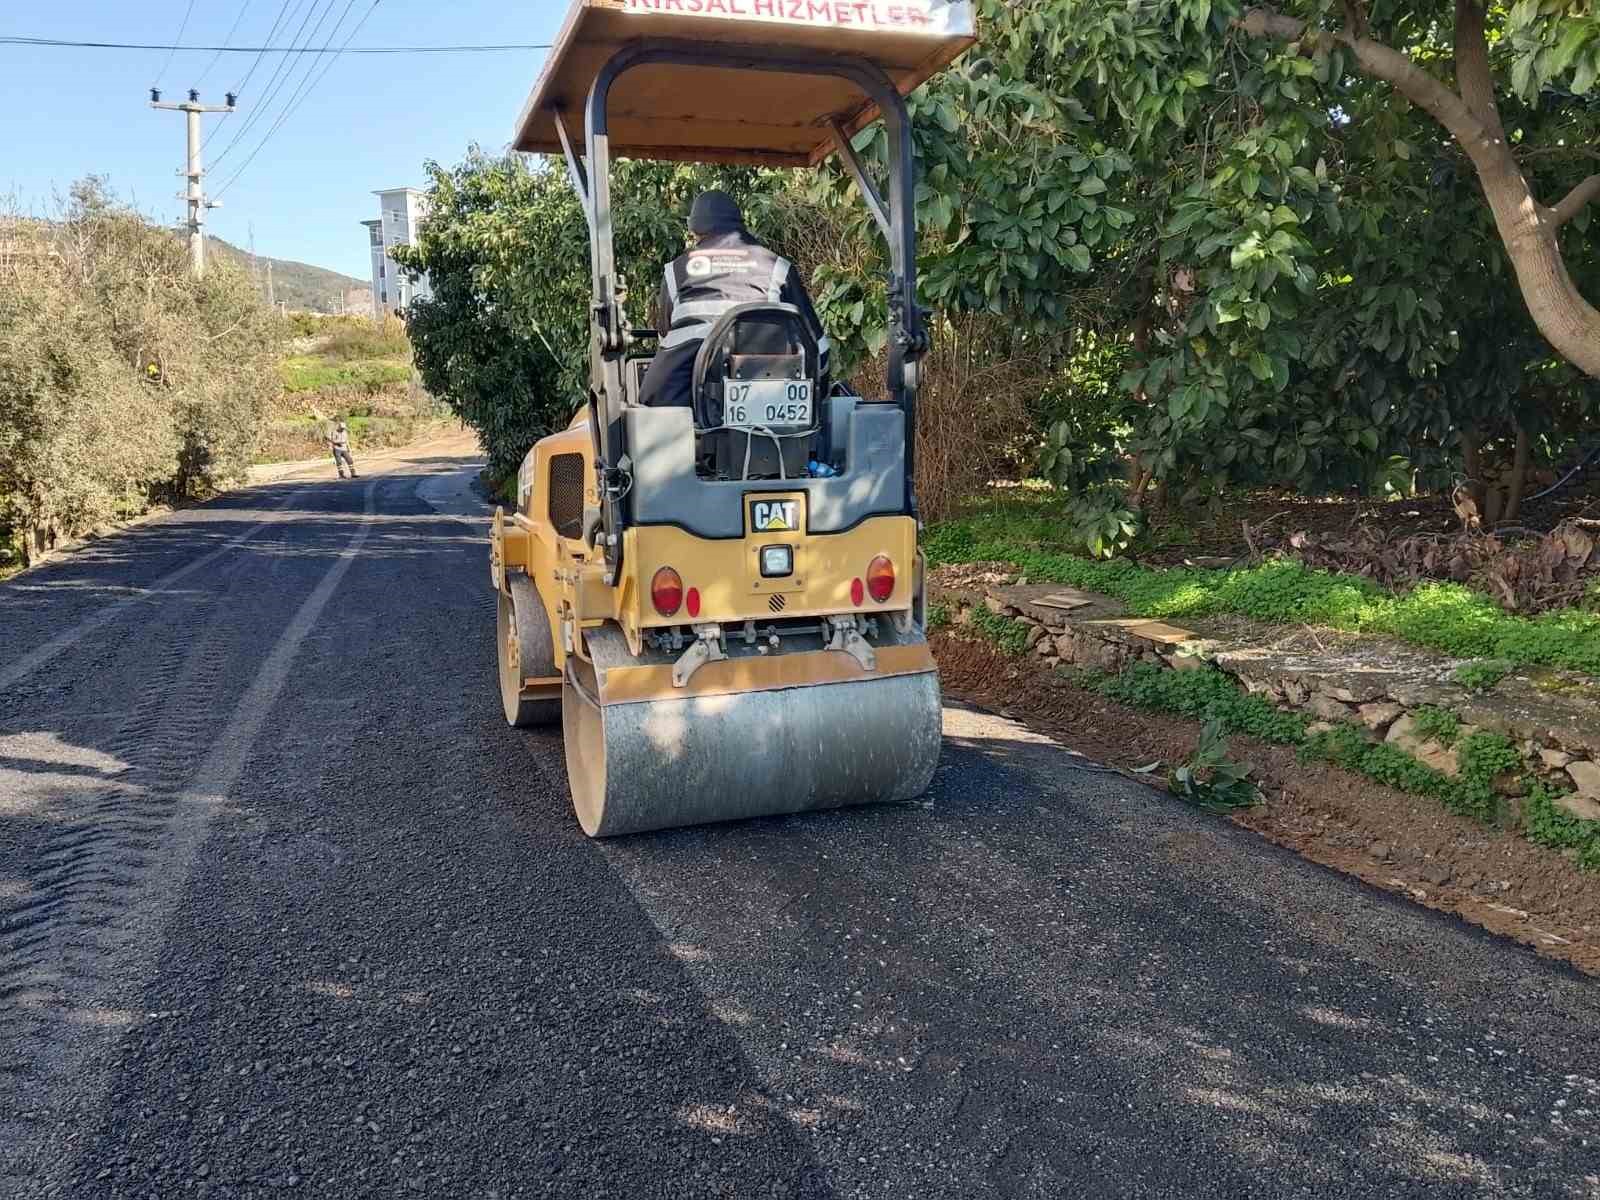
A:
<point x="392" y="965"/>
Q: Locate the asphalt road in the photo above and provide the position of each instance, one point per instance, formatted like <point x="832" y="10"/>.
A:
<point x="284" y="907"/>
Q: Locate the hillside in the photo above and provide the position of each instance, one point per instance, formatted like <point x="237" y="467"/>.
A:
<point x="299" y="285"/>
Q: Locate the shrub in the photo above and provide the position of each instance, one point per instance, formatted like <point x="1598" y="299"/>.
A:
<point x="122" y="377"/>
<point x="353" y="338"/>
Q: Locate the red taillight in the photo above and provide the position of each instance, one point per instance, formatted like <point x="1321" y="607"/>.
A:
<point x="692" y="602"/>
<point x="666" y="592"/>
<point x="857" y="593"/>
<point x="880" y="579"/>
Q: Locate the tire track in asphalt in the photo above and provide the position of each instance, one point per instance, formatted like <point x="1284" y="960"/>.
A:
<point x="65" y="640"/>
<point x="112" y="871"/>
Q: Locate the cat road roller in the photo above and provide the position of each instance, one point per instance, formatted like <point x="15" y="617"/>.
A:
<point x="722" y="603"/>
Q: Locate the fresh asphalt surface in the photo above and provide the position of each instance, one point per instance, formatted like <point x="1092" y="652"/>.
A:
<point x="284" y="906"/>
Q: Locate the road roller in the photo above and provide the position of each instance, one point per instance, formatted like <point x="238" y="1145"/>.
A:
<point x="722" y="604"/>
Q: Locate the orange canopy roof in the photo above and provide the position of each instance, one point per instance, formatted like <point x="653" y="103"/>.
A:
<point x="705" y="114"/>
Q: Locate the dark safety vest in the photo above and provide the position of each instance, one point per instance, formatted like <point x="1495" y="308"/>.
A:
<point x="709" y="280"/>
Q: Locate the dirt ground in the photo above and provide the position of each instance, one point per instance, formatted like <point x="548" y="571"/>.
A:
<point x="1400" y="843"/>
<point x="1180" y="534"/>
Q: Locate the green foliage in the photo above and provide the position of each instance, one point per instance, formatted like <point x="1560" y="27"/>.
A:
<point x="1544" y="823"/>
<point x="1008" y="633"/>
<point x="1439" y="724"/>
<point x="1482" y="675"/>
<point x="1100" y="521"/>
<point x="311" y="373"/>
<point x="1205" y="694"/>
<point x="1481" y="758"/>
<point x="491" y="222"/>
<point x="353" y="339"/>
<point x="938" y="616"/>
<point x="505" y="337"/>
<point x="1210" y="780"/>
<point x="1441" y="616"/>
<point x="122" y="377"/>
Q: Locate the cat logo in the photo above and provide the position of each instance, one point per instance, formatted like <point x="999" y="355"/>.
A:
<point x="767" y="516"/>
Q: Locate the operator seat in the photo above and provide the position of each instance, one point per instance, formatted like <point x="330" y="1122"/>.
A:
<point x="764" y="432"/>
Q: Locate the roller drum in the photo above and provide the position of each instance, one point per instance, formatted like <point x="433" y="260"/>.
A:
<point x="655" y="764"/>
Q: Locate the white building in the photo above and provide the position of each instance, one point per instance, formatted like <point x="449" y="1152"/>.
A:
<point x="402" y="210"/>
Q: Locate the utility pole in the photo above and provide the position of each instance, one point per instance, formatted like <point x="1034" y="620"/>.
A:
<point x="194" y="194"/>
<point x="272" y="295"/>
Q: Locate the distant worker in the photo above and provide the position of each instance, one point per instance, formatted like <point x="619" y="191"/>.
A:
<point x="340" y="441"/>
<point x="726" y="267"/>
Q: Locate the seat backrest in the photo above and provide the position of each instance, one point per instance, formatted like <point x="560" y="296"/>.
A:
<point x="760" y="341"/>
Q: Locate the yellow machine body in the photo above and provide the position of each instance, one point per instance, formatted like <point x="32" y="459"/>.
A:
<point x="539" y="545"/>
<point x="779" y="683"/>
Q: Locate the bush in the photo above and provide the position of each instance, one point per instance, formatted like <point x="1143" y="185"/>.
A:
<point x="1440" y="724"/>
<point x="308" y="373"/>
<point x="122" y="378"/>
<point x="354" y="338"/>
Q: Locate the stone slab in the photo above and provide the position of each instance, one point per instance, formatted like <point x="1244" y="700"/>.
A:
<point x="1037" y="602"/>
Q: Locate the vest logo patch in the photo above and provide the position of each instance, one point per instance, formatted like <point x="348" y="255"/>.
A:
<point x="699" y="265"/>
<point x="774" y="516"/>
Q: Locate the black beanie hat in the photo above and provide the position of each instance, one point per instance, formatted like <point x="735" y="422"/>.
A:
<point x="715" y="212"/>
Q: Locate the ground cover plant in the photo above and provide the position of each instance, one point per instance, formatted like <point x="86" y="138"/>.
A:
<point x="1483" y="757"/>
<point x="1447" y="617"/>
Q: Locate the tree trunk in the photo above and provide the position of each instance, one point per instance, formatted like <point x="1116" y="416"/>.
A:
<point x="1472" y="466"/>
<point x="1158" y="502"/>
<point x="1518" y="480"/>
<point x="1138" y="481"/>
<point x="1529" y="230"/>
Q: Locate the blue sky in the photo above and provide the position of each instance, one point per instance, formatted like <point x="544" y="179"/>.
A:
<point x="370" y="123"/>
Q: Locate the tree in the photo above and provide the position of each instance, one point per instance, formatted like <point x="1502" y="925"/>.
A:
<point x="505" y="338"/>
<point x="1540" y="44"/>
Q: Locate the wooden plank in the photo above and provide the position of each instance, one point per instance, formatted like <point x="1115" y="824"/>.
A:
<point x="1162" y="634"/>
<point x="745" y="116"/>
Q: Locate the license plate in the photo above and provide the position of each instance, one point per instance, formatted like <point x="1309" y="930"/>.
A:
<point x="749" y="404"/>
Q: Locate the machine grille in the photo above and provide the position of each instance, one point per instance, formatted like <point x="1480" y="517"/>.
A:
<point x="777" y="602"/>
<point x="566" y="494"/>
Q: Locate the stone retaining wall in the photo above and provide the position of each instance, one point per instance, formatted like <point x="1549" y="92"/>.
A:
<point x="1375" y="686"/>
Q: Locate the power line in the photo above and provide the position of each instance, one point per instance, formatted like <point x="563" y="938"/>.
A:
<point x="297" y="87"/>
<point x="232" y="29"/>
<point x="289" y="50"/>
<point x="296" y="101"/>
<point x="283" y="11"/>
<point x="280" y="75"/>
<point x="183" y="28"/>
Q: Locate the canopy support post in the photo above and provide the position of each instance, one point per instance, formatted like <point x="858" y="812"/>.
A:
<point x="858" y="172"/>
<point x="575" y="174"/>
